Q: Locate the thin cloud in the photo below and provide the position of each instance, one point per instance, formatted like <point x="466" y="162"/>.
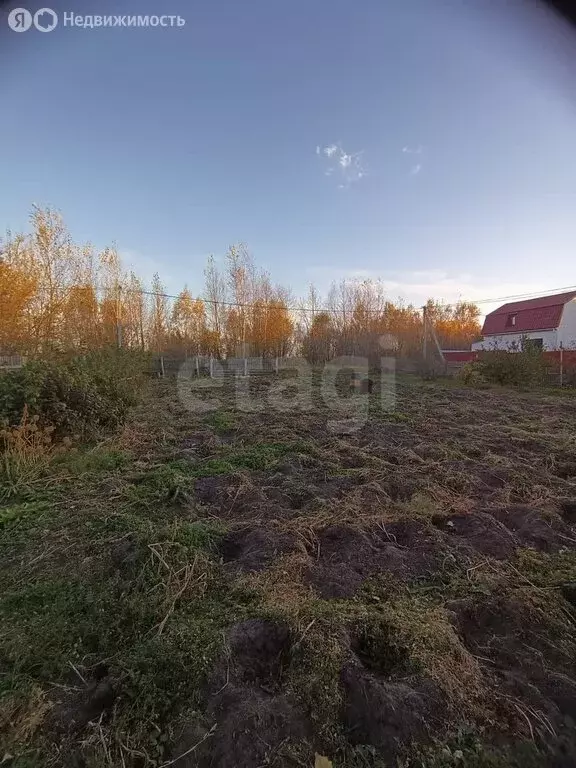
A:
<point x="346" y="166"/>
<point x="417" y="150"/>
<point x="417" y="286"/>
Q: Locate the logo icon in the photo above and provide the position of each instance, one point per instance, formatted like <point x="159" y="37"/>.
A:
<point x="45" y="20"/>
<point x="19" y="20"/>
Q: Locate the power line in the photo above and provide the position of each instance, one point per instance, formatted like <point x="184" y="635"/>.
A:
<point x="250" y="305"/>
<point x="534" y="295"/>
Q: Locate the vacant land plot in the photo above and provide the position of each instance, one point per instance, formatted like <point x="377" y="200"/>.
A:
<point x="235" y="588"/>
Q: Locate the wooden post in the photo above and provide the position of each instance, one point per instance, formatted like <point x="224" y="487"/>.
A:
<point x="276" y="365"/>
<point x="211" y="367"/>
<point x="561" y="365"/>
<point x="162" y="366"/>
<point x="197" y="366"/>
<point x="245" y="365"/>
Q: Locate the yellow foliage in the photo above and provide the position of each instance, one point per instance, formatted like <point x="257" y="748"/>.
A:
<point x="16" y="291"/>
<point x="56" y="295"/>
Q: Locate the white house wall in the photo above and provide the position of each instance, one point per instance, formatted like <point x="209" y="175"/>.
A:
<point x="507" y="340"/>
<point x="567" y="329"/>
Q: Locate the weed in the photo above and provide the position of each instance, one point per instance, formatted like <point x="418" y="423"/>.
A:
<point x="91" y="461"/>
<point x="20" y="511"/>
<point x="86" y="395"/>
<point x="394" y="417"/>
<point x="25" y="451"/>
<point x="524" y="368"/>
<point x="222" y="421"/>
<point x="411" y="634"/>
<point x="115" y="581"/>
<point x="165" y="483"/>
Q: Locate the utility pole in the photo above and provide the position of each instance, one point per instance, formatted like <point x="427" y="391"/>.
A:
<point x="425" y="337"/>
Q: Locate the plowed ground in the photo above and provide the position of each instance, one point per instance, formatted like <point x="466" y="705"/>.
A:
<point x="242" y="588"/>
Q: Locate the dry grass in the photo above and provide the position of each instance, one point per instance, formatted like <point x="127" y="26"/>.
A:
<point x="26" y="451"/>
<point x="23" y="716"/>
<point x="442" y="454"/>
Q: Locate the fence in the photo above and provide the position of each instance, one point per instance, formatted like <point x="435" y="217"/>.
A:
<point x="562" y="370"/>
<point x="216" y="368"/>
<point x="11" y="362"/>
<point x="201" y="365"/>
<point x="561" y="364"/>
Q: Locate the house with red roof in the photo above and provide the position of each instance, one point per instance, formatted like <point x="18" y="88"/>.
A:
<point x="549" y="321"/>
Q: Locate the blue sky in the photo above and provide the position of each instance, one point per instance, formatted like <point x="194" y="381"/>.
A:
<point x="283" y="125"/>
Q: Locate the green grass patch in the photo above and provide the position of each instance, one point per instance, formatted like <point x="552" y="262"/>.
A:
<point x="174" y="480"/>
<point x="91" y="461"/>
<point x="21" y="511"/>
<point x="155" y="616"/>
<point x="546" y="571"/>
<point x="394" y="417"/>
<point x="222" y="421"/>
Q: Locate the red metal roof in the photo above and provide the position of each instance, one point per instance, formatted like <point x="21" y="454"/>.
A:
<point x="540" y="314"/>
<point x="459" y="355"/>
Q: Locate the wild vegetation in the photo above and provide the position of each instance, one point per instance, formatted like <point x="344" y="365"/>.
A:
<point x="57" y="296"/>
<point x="526" y="368"/>
<point x="241" y="586"/>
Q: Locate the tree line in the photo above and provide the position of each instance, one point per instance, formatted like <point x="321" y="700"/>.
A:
<point x="56" y="295"/>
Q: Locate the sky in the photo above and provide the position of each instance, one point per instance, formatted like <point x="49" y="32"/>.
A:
<point x="429" y="143"/>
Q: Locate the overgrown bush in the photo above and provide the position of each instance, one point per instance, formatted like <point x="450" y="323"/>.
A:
<point x="85" y="396"/>
<point x="524" y="369"/>
<point x="472" y="375"/>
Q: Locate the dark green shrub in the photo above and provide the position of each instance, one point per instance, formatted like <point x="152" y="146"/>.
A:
<point x="525" y="369"/>
<point x="86" y="395"/>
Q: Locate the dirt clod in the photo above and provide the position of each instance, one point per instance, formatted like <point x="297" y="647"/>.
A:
<point x="259" y="650"/>
<point x="346" y="556"/>
<point x="388" y="715"/>
<point x="253" y="729"/>
<point x="252" y="549"/>
<point x="76" y="709"/>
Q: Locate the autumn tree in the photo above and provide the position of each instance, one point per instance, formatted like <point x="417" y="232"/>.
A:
<point x="17" y="289"/>
<point x="188" y="323"/>
<point x="47" y="255"/>
<point x="134" y="312"/>
<point x="80" y="324"/>
<point x="279" y="329"/>
<point x="456" y="325"/>
<point x="81" y="329"/>
<point x="57" y="295"/>
<point x="318" y="344"/>
<point x="111" y="309"/>
<point x="240" y="270"/>
<point x="159" y="314"/>
<point x="215" y="291"/>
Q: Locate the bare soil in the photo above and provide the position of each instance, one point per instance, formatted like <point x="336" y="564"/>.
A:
<point x="398" y="594"/>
